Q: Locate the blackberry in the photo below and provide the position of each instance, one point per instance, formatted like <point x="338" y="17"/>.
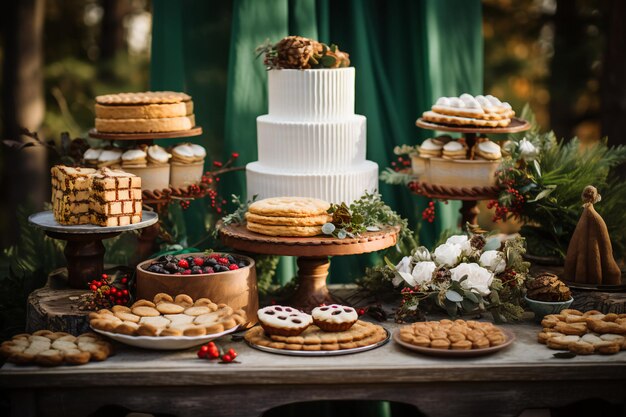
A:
<point x="210" y="262"/>
<point x="196" y="269"/>
<point x="171" y="266"/>
<point x="207" y="270"/>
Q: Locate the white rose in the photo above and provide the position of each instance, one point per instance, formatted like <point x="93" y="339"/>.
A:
<point x="447" y="254"/>
<point x="528" y="151"/>
<point x="493" y="260"/>
<point x="421" y="254"/>
<point x="463" y="241"/>
<point x="403" y="267"/>
<point x="423" y="272"/>
<point x="478" y="278"/>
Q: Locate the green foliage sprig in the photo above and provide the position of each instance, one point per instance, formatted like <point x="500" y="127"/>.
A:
<point x="368" y="213"/>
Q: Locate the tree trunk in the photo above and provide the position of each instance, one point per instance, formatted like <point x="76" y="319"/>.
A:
<point x="567" y="35"/>
<point x="25" y="173"/>
<point x="112" y="35"/>
<point x="613" y="83"/>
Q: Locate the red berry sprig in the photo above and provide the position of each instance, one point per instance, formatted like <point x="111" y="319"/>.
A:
<point x="401" y="164"/>
<point x="212" y="351"/>
<point x="106" y="293"/>
<point x="429" y="212"/>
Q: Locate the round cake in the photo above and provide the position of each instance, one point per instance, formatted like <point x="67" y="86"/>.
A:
<point x="311" y="144"/>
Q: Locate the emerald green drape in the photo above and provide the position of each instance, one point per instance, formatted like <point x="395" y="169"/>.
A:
<point x="407" y="53"/>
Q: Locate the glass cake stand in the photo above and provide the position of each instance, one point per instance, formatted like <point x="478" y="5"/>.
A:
<point x="84" y="252"/>
<point x="468" y="195"/>
<point x="313" y="256"/>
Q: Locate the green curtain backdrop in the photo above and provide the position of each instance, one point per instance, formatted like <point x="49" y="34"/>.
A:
<point x="406" y="53"/>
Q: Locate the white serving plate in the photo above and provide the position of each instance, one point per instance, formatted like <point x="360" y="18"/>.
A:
<point x="164" y="342"/>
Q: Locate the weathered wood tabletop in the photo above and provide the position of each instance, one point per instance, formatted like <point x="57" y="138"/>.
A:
<point x="525" y="375"/>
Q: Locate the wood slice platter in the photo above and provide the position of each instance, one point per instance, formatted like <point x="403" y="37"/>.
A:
<point x="195" y="131"/>
<point x="239" y="237"/>
<point x="517" y="125"/>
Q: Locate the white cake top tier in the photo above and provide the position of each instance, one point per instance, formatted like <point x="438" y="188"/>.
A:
<point x="311" y="95"/>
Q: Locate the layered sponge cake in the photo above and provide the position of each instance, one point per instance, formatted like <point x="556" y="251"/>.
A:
<point x="102" y="197"/>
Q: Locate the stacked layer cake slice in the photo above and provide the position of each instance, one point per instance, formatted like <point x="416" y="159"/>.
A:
<point x="102" y="197"/>
<point x="147" y="112"/>
<point x="115" y="198"/>
<point x="70" y="194"/>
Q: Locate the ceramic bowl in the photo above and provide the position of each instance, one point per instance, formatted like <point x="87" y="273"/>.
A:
<point x="237" y="289"/>
<point x="543" y="308"/>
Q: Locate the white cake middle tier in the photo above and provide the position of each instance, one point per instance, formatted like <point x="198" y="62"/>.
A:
<point x="311" y="147"/>
<point x="334" y="187"/>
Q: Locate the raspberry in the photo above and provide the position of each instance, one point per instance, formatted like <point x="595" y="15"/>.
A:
<point x="232" y="267"/>
<point x="215" y="256"/>
<point x="198" y="261"/>
<point x="222" y="261"/>
<point x="183" y="263"/>
<point x="187" y="272"/>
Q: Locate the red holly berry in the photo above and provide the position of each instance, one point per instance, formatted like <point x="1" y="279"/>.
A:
<point x="93" y="287"/>
<point x="213" y="353"/>
<point x="232" y="267"/>
<point x="361" y="311"/>
<point x="227" y="358"/>
<point x="202" y="354"/>
<point x="183" y="263"/>
<point x="234" y="155"/>
<point x="124" y="280"/>
<point x="198" y="261"/>
<point x="232" y="353"/>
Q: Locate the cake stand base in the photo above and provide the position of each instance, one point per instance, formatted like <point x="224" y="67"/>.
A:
<point x="312" y="290"/>
<point x="84" y="254"/>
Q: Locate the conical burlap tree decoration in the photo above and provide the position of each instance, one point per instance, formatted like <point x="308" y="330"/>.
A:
<point x="589" y="257"/>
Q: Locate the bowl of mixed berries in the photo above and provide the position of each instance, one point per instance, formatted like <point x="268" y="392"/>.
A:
<point x="221" y="277"/>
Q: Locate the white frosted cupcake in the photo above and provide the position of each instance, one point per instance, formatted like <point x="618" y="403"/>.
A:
<point x="283" y="320"/>
<point x="487" y="150"/>
<point x="157" y="155"/>
<point x="430" y="148"/>
<point x="454" y="150"/>
<point x="91" y="156"/>
<point x="134" y="158"/>
<point x="110" y="158"/>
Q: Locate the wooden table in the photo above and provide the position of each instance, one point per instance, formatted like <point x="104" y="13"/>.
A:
<point x="523" y="376"/>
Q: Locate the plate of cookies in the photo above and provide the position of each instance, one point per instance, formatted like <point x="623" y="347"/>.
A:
<point x="458" y="338"/>
<point x="584" y="333"/>
<point x="329" y="330"/>
<point x="47" y="348"/>
<point x="166" y="322"/>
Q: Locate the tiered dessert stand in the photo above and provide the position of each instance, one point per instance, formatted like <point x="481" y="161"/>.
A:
<point x="468" y="195"/>
<point x="313" y="256"/>
<point x="84" y="252"/>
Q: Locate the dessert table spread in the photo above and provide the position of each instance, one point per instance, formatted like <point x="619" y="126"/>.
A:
<point x="524" y="375"/>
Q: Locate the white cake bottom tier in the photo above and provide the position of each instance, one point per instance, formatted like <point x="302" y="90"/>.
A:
<point x="311" y="147"/>
<point x="332" y="187"/>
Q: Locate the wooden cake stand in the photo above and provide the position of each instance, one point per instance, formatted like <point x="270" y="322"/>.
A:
<point x="194" y="131"/>
<point x="312" y="253"/>
<point x="468" y="195"/>
<point x="84" y="252"/>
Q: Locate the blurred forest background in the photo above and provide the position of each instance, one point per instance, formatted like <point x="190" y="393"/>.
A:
<point x="564" y="57"/>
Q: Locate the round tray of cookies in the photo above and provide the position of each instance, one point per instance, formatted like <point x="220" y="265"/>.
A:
<point x="167" y="323"/>
<point x="458" y="338"/>
<point x="330" y="330"/>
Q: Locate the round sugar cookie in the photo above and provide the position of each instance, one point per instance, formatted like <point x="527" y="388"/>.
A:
<point x="318" y="220"/>
<point x="297" y="231"/>
<point x="289" y="207"/>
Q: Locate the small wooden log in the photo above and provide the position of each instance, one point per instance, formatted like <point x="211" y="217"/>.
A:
<point x="57" y="310"/>
<point x="606" y="302"/>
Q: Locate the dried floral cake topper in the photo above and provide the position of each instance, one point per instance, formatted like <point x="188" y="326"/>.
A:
<point x="297" y="52"/>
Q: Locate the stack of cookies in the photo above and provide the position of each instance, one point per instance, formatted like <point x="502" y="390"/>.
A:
<point x="335" y="327"/>
<point x="167" y="316"/>
<point x="584" y="333"/>
<point x="288" y="216"/>
<point x="147" y="112"/>
<point x="467" y="110"/>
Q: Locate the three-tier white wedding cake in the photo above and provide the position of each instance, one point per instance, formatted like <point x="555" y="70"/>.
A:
<point x="311" y="144"/>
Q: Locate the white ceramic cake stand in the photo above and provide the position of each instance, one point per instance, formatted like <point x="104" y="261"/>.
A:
<point x="84" y="252"/>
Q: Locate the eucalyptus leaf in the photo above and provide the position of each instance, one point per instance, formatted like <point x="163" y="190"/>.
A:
<point x="463" y="278"/>
<point x="471" y="296"/>
<point x="468" y="305"/>
<point x="454" y="296"/>
<point x="328" y="61"/>
<point x="451" y="307"/>
<point x="542" y="194"/>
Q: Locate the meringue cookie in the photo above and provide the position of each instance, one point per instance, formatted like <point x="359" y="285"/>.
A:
<point x="430" y="148"/>
<point x="109" y="157"/>
<point x="91" y="155"/>
<point x="134" y="158"/>
<point x="488" y="150"/>
<point x="157" y="155"/>
<point x="454" y="150"/>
